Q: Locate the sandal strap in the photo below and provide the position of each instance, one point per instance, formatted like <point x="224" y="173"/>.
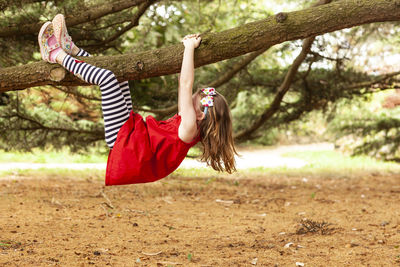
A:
<point x="53" y="47"/>
<point x="67" y="42"/>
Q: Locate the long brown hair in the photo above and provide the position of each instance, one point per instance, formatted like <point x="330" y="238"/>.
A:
<point x="216" y="136"/>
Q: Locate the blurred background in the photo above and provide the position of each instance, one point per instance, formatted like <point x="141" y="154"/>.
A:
<point x="345" y="91"/>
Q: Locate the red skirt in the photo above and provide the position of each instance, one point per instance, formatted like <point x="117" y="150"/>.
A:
<point x="146" y="151"/>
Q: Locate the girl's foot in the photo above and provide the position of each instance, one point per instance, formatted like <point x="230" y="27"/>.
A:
<point x="61" y="33"/>
<point x="49" y="47"/>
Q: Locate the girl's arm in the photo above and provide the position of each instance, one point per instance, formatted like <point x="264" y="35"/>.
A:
<point x="188" y="127"/>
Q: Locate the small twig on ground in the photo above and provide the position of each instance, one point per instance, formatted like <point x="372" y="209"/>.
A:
<point x="137" y="211"/>
<point x="106" y="211"/>
<point x="151" y="254"/>
<point x="226" y="202"/>
<point x="169" y="263"/>
<point x="56" y="202"/>
<point x="108" y="203"/>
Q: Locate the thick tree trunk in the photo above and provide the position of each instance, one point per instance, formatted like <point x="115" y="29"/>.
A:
<point x="216" y="46"/>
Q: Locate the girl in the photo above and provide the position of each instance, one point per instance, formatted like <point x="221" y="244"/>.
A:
<point x="145" y="151"/>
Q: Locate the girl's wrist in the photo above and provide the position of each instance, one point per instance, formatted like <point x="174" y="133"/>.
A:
<point x="189" y="46"/>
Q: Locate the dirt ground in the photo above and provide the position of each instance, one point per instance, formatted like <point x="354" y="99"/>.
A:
<point x="246" y="221"/>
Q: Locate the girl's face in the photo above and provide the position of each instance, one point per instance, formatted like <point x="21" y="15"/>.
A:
<point x="197" y="106"/>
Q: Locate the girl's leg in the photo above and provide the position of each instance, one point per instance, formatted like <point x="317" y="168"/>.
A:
<point x="127" y="94"/>
<point x="124" y="86"/>
<point x="115" y="110"/>
<point x="82" y="53"/>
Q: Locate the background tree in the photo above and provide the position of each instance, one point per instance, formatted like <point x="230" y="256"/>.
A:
<point x="269" y="89"/>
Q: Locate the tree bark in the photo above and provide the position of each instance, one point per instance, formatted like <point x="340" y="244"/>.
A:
<point x="379" y="79"/>
<point x="216" y="46"/>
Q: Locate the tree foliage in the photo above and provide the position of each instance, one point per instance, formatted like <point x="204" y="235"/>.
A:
<point x="268" y="89"/>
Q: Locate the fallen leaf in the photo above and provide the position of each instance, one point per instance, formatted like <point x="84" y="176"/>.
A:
<point x="254" y="261"/>
<point x="288" y="245"/>
<point x="227" y="202"/>
<point x="384" y="223"/>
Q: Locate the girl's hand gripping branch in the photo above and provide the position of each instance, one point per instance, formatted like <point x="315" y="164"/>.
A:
<point x="191" y="41"/>
<point x="186" y="104"/>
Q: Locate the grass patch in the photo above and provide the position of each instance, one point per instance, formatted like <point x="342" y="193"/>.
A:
<point x="320" y="163"/>
<point x="62" y="156"/>
<point x="325" y="163"/>
<point x="9" y="244"/>
<point x="335" y="163"/>
<point x="45" y="173"/>
<point x="195" y="172"/>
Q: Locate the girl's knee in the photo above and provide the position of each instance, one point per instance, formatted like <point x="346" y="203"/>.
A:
<point x="106" y="76"/>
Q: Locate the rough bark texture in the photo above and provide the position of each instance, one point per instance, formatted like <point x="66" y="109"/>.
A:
<point x="219" y="46"/>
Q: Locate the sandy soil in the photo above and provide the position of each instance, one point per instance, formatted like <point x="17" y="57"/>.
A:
<point x="251" y="221"/>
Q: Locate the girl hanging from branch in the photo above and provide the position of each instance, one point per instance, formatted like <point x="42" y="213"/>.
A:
<point x="147" y="150"/>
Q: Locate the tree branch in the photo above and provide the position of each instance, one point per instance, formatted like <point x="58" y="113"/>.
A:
<point x="89" y="14"/>
<point x="379" y="79"/>
<point x="41" y="126"/>
<point x="282" y="90"/>
<point x="228" y="75"/>
<point x="4" y="4"/>
<point x="133" y="23"/>
<point x="224" y="78"/>
<point x="215" y="46"/>
<point x="76" y="93"/>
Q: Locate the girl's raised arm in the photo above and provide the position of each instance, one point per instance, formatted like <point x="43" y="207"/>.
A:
<point x="188" y="126"/>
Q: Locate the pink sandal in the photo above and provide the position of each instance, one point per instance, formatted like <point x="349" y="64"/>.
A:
<point x="61" y="33"/>
<point x="47" y="42"/>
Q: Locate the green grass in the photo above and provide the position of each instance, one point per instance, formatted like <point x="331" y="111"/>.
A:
<point x="45" y="173"/>
<point x="320" y="163"/>
<point x="40" y="156"/>
<point x="334" y="162"/>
